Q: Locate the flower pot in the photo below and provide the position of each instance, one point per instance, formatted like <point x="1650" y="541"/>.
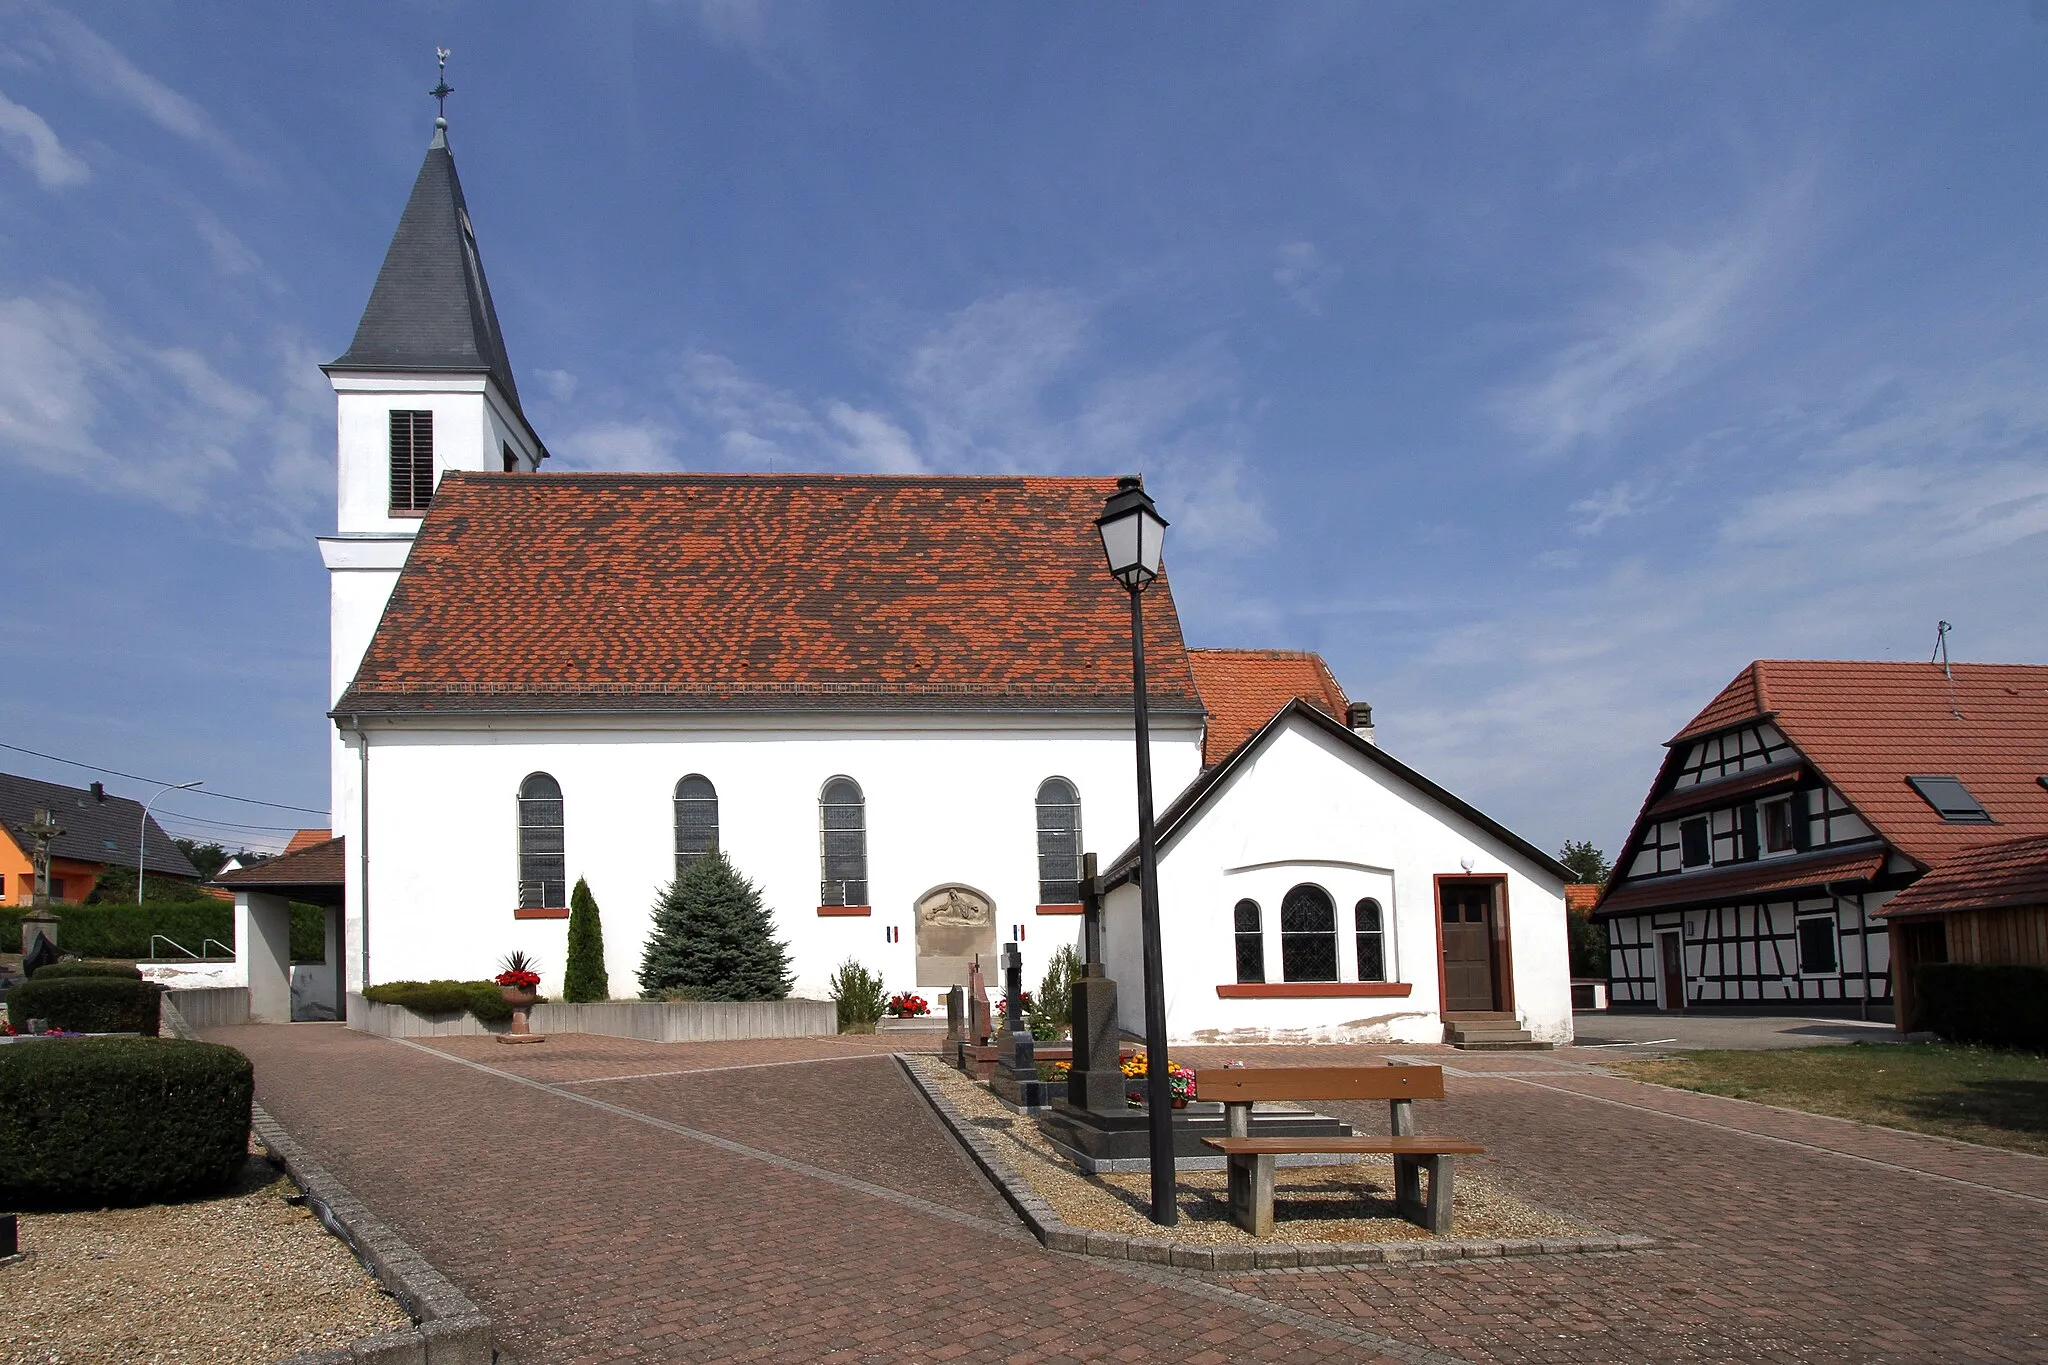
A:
<point x="518" y="997"/>
<point x="521" y="999"/>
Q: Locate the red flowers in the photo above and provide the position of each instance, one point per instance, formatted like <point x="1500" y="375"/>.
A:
<point x="904" y="1005"/>
<point x="519" y="971"/>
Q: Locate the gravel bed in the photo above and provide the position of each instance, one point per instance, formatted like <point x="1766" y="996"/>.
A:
<point x="242" y="1277"/>
<point x="1348" y="1203"/>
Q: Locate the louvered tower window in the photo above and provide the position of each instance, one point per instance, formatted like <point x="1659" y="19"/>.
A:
<point x="412" y="461"/>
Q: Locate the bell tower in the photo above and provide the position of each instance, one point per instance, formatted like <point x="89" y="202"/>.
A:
<point x="425" y="387"/>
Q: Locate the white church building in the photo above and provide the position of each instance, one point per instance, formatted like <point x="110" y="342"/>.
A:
<point x="901" y="705"/>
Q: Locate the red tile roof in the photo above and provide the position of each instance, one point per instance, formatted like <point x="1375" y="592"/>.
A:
<point x="1745" y="880"/>
<point x="605" y="591"/>
<point x="318" y="864"/>
<point x="306" y="838"/>
<point x="2014" y="873"/>
<point x="1869" y="726"/>
<point x="1242" y="689"/>
<point x="1582" y="895"/>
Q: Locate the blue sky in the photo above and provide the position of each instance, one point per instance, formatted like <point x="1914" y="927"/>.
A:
<point x="1539" y="364"/>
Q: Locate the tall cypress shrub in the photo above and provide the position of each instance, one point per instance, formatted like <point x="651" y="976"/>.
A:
<point x="584" y="978"/>
<point x="714" y="938"/>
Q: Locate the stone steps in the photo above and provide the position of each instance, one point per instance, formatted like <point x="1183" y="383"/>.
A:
<point x="1491" y="1033"/>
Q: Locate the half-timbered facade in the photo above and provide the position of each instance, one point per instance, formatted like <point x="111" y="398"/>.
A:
<point x="1795" y="805"/>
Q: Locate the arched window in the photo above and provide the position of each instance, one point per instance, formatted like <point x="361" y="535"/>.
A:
<point x="1059" y="842"/>
<point x="1372" y="941"/>
<point x="1251" y="942"/>
<point x="542" y="866"/>
<point x="696" y="819"/>
<point x="843" y="843"/>
<point x="1308" y="935"/>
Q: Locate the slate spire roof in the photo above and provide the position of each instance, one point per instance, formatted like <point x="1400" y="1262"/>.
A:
<point x="431" y="308"/>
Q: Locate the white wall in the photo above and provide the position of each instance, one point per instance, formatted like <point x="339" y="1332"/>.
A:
<point x="945" y="803"/>
<point x="472" y="425"/>
<point x="1308" y="809"/>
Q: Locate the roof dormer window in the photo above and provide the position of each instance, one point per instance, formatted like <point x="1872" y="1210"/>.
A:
<point x="1951" y="800"/>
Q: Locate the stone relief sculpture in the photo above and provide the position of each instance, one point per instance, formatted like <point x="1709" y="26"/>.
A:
<point x="954" y="924"/>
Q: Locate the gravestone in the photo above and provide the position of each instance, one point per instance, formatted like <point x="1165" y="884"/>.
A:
<point x="1096" y="1081"/>
<point x="41" y="953"/>
<point x="1015" y="1077"/>
<point x="956" y="1026"/>
<point x="979" y="1025"/>
<point x="955" y="925"/>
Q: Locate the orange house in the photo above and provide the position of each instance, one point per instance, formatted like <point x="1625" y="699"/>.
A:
<point x="99" y="831"/>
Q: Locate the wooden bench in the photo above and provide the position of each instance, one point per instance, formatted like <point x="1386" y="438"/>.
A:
<point x="1252" y="1160"/>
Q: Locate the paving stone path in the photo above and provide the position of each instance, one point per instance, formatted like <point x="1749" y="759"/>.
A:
<point x="795" y="1201"/>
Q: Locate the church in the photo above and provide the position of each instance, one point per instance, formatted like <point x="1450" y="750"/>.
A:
<point x="901" y="705"/>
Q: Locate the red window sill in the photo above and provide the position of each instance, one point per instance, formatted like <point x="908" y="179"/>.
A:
<point x="1311" y="990"/>
<point x="406" y="512"/>
<point x="1073" y="909"/>
<point x="539" y="912"/>
<point x="836" y="911"/>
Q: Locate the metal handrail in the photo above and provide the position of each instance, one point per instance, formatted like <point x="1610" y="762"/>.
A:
<point x="227" y="950"/>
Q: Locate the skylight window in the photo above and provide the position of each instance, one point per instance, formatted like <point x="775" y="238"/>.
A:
<point x="1951" y="799"/>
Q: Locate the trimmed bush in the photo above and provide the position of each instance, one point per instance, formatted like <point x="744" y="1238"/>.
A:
<point x="58" y="970"/>
<point x="481" y="998"/>
<point x="86" y="1004"/>
<point x="106" y="1121"/>
<point x="584" y="978"/>
<point x="124" y="930"/>
<point x="1966" y="1002"/>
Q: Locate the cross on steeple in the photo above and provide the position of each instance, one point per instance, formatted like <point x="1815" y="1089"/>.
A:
<point x="443" y="90"/>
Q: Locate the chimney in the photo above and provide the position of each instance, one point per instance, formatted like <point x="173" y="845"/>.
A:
<point x="1358" y="716"/>
<point x="99" y="792"/>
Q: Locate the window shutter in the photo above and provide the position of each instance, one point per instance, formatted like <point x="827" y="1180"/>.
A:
<point x="1802" y="836"/>
<point x="1746" y="819"/>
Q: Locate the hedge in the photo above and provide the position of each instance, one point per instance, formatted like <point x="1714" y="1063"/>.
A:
<point x="481" y="998"/>
<point x="105" y="1121"/>
<point x="124" y="930"/>
<point x="1966" y="1002"/>
<point x="86" y="1004"/>
<point x="56" y="971"/>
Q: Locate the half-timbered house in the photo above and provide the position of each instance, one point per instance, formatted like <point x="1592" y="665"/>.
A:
<point x="1799" y="801"/>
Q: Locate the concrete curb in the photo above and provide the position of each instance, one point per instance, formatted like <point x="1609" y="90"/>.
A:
<point x="447" y="1328"/>
<point x="1058" y="1235"/>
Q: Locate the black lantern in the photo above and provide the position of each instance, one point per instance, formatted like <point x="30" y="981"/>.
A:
<point x="1133" y="533"/>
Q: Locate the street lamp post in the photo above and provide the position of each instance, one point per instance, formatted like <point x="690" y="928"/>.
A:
<point x="142" y="835"/>
<point x="1132" y="534"/>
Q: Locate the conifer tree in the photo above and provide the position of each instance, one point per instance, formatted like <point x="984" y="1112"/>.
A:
<point x="584" y="978"/>
<point x="713" y="938"/>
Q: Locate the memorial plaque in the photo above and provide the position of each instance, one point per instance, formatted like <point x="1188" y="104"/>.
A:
<point x="954" y="923"/>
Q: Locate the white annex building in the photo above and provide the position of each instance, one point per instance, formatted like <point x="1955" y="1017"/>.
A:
<point x="900" y="705"/>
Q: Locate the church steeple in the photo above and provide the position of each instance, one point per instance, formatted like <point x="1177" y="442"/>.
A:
<point x="431" y="309"/>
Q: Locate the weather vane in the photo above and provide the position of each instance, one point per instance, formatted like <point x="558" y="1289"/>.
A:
<point x="442" y="91"/>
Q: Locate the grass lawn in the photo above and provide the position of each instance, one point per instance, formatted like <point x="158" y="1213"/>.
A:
<point x="1972" y="1093"/>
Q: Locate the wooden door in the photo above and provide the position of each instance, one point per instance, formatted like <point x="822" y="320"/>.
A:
<point x="1469" y="972"/>
<point x="1671" y="963"/>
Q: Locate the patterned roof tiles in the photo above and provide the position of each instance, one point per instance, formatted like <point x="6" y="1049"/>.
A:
<point x="1242" y="689"/>
<point x="1870" y="726"/>
<point x="611" y="591"/>
<point x="2014" y="873"/>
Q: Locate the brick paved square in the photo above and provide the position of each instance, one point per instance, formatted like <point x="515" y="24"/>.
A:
<point x="792" y="1201"/>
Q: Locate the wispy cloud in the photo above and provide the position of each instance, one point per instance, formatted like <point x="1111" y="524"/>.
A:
<point x="75" y="391"/>
<point x="97" y="62"/>
<point x="1018" y="382"/>
<point x="1868" y="520"/>
<point x="1673" y="312"/>
<point x="32" y="142"/>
